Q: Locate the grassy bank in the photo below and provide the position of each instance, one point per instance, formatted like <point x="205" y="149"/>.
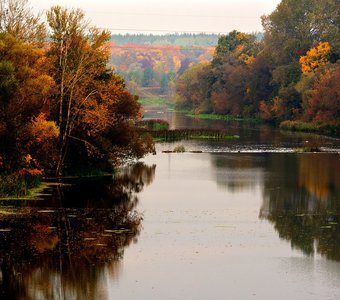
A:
<point x="156" y="102"/>
<point x="321" y="128"/>
<point x="154" y="124"/>
<point x="223" y="117"/>
<point x="19" y="184"/>
<point x="187" y="134"/>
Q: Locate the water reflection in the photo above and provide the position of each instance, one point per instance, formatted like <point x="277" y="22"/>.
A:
<point x="253" y="137"/>
<point x="238" y="172"/>
<point x="301" y="194"/>
<point x="67" y="246"/>
<point x="301" y="197"/>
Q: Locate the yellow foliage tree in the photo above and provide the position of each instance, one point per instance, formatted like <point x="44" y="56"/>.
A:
<point x="42" y="130"/>
<point x="315" y="58"/>
<point x="247" y="59"/>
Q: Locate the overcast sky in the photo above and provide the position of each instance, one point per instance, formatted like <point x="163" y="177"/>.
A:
<point x="157" y="16"/>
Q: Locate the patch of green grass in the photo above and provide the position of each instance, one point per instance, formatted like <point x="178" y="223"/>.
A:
<point x="155" y="102"/>
<point x="176" y="135"/>
<point x="231" y="137"/>
<point x="324" y="128"/>
<point x="7" y="212"/>
<point x="210" y="137"/>
<point x="160" y="126"/>
<point x="298" y="126"/>
<point x="159" y="139"/>
<point x="223" y="117"/>
<point x="154" y="124"/>
<point x="32" y="194"/>
<point x="17" y="184"/>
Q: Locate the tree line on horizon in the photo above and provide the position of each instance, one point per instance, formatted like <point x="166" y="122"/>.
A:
<point x="61" y="106"/>
<point x="291" y="75"/>
<point x="169" y="39"/>
<point x="146" y="66"/>
<point x="151" y="63"/>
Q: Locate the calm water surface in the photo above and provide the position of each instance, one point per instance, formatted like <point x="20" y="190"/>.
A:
<point x="259" y="224"/>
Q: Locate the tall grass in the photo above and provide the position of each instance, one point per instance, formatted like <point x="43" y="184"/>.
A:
<point x="223" y="117"/>
<point x="154" y="124"/>
<point x="329" y="129"/>
<point x="19" y="183"/>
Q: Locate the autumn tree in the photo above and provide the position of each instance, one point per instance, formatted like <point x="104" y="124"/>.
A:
<point x="258" y="87"/>
<point x="291" y="30"/>
<point x="25" y="93"/>
<point x="324" y="103"/>
<point x="267" y="78"/>
<point x="241" y="45"/>
<point x="296" y="25"/>
<point x="315" y="58"/>
<point x="91" y="101"/>
<point x="193" y="88"/>
<point x="229" y="88"/>
<point x="17" y="19"/>
<point x="221" y="86"/>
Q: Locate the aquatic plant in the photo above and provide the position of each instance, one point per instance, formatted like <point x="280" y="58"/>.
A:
<point x="179" y="149"/>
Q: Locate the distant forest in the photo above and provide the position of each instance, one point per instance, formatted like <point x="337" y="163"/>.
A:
<point x="173" y="39"/>
<point x="185" y="39"/>
<point x="150" y="64"/>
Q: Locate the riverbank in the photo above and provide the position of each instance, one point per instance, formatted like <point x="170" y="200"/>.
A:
<point x="20" y="184"/>
<point x="223" y="117"/>
<point x="288" y="125"/>
<point x="319" y="128"/>
<point x="156" y="102"/>
<point x="29" y="185"/>
<point x="14" y="187"/>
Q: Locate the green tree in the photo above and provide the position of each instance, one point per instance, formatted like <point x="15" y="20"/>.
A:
<point x="290" y="30"/>
<point x="297" y="25"/>
<point x="239" y="44"/>
<point x="193" y="89"/>
<point x="148" y="76"/>
<point x="164" y="83"/>
<point x="135" y="73"/>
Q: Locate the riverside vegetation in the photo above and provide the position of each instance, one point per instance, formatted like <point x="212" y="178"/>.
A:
<point x="61" y="106"/>
<point x="292" y="75"/>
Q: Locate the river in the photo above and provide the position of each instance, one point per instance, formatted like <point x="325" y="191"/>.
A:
<point x="247" y="218"/>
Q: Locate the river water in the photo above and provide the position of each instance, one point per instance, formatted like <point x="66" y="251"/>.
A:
<point x="247" y="218"/>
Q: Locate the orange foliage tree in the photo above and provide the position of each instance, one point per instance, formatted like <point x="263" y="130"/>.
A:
<point x="92" y="108"/>
<point x="25" y="93"/>
<point x="315" y="58"/>
<point x="324" y="103"/>
<point x="60" y="102"/>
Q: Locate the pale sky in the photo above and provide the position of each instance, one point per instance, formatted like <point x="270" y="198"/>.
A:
<point x="157" y="17"/>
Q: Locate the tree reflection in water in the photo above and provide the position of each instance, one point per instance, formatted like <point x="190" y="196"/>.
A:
<point x="67" y="246"/>
<point x="302" y="200"/>
<point x="301" y="194"/>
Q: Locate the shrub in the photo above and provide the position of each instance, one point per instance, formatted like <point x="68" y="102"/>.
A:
<point x="154" y="124"/>
<point x="18" y="184"/>
<point x="179" y="149"/>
